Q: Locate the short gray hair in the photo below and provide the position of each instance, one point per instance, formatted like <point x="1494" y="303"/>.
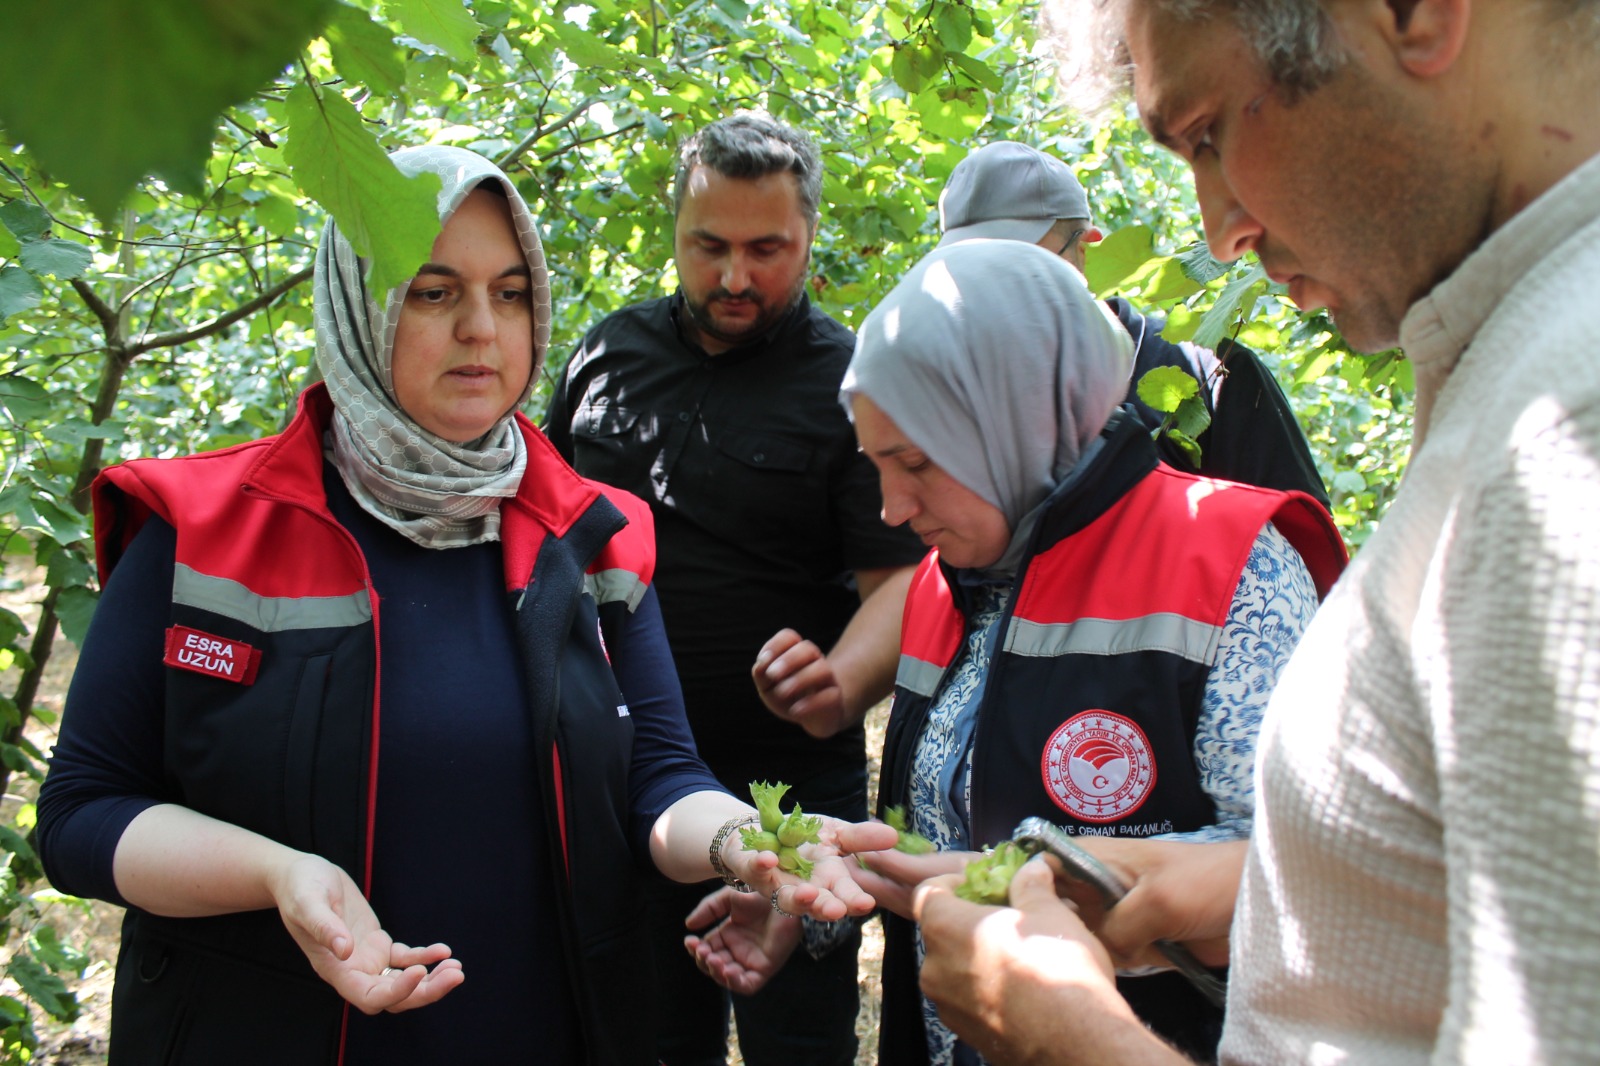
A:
<point x="1293" y="39"/>
<point x="753" y="144"/>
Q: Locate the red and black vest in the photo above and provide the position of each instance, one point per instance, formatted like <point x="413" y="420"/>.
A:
<point x="273" y="707"/>
<point x="1093" y="694"/>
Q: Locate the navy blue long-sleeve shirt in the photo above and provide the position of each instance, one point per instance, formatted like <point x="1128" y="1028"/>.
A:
<point x="458" y="850"/>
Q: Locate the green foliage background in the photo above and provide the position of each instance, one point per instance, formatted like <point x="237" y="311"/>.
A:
<point x="165" y="168"/>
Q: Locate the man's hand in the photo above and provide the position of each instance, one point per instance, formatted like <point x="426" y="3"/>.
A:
<point x="797" y="683"/>
<point x="334" y="925"/>
<point x="748" y="943"/>
<point x="1026" y="983"/>
<point x="1179" y="892"/>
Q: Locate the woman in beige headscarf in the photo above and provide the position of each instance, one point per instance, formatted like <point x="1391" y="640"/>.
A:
<point x="286" y="793"/>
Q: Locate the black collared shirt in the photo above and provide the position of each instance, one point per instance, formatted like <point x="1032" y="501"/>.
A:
<point x="763" y="507"/>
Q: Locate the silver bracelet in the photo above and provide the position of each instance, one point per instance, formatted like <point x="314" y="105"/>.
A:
<point x="716" y="850"/>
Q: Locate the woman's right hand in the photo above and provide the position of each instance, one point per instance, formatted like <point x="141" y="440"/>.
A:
<point x="179" y="863"/>
<point x="334" y="925"/>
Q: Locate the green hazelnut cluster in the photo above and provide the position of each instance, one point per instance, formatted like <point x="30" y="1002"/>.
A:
<point x="781" y="833"/>
<point x="911" y="843"/>
<point x="988" y="877"/>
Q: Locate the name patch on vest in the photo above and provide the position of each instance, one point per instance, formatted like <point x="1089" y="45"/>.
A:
<point x="230" y="660"/>
<point x="1098" y="767"/>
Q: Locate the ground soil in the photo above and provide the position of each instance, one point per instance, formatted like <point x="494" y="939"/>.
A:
<point x="96" y="927"/>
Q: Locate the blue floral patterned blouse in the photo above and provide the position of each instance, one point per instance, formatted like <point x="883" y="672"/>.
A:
<point x="1271" y="608"/>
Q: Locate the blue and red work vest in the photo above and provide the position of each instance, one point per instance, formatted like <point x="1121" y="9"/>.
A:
<point x="1093" y="694"/>
<point x="273" y="707"/>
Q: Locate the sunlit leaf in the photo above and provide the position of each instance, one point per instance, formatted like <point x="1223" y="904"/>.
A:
<point x="278" y="216"/>
<point x="587" y="49"/>
<point x="955" y="118"/>
<point x="928" y="60"/>
<point x="979" y="71"/>
<point x="1221" y="319"/>
<point x="1192" y="418"/>
<point x="955" y="27"/>
<point x="104" y="92"/>
<point x="389" y="218"/>
<point x="1165" y="387"/>
<point x="905" y="71"/>
<point x="1187" y="444"/>
<point x="1168" y="283"/>
<point x="1119" y="260"/>
<point x="1181" y="324"/>
<point x="445" y="24"/>
<point x="364" y="51"/>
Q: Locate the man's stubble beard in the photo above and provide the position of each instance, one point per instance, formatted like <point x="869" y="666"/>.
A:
<point x="703" y="322"/>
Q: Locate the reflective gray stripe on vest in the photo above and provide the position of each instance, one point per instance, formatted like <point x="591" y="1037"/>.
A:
<point x="918" y="675"/>
<point x="270" y="614"/>
<point x="1170" y="633"/>
<point x="610" y="586"/>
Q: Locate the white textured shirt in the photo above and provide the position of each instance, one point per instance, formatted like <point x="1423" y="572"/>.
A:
<point x="1423" y="884"/>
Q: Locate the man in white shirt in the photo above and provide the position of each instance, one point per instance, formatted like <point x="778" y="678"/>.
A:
<point x="1423" y="883"/>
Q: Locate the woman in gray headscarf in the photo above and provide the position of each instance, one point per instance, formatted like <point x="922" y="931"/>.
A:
<point x="285" y="793"/>
<point x="1093" y="636"/>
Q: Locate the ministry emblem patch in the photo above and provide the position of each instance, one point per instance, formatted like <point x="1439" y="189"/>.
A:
<point x="1097" y="766"/>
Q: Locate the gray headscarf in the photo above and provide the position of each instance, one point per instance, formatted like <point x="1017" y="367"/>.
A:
<point x="994" y="360"/>
<point x="438" y="493"/>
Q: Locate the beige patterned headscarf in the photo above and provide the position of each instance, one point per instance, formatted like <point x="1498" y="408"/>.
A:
<point x="436" y="492"/>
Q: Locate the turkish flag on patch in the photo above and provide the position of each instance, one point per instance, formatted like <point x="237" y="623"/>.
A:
<point x="219" y="657"/>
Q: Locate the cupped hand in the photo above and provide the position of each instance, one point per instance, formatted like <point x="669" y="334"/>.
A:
<point x="831" y="892"/>
<point x="748" y="941"/>
<point x="797" y="683"/>
<point x="336" y="928"/>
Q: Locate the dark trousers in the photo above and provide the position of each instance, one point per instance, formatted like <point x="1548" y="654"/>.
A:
<point x="805" y="1016"/>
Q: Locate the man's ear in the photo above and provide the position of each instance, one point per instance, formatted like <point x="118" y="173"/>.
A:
<point x="1427" y="36"/>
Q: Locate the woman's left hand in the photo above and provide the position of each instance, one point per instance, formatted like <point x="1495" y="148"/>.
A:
<point x="831" y="893"/>
<point x="748" y="941"/>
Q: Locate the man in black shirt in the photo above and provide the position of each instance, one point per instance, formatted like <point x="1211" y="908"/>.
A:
<point x="719" y="405"/>
<point x="1011" y="191"/>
